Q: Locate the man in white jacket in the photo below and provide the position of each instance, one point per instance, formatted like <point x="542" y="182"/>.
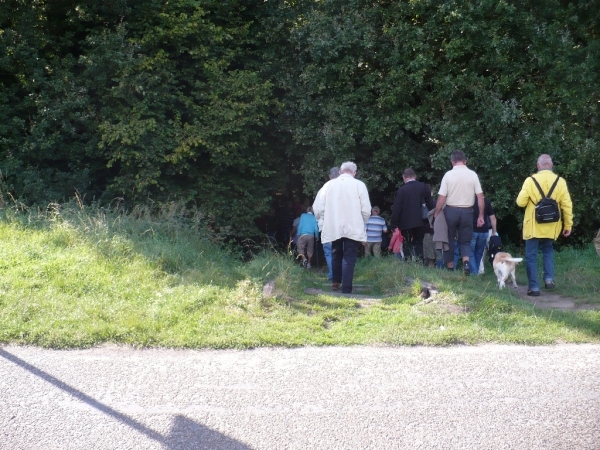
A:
<point x="344" y="208"/>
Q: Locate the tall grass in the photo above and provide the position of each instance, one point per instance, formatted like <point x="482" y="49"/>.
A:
<point x="78" y="276"/>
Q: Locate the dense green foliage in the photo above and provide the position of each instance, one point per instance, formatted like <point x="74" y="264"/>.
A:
<point x="219" y="103"/>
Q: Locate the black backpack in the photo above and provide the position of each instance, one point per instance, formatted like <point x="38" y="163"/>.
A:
<point x="547" y="210"/>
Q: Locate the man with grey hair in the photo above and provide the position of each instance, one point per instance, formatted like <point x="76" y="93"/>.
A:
<point x="334" y="172"/>
<point x="540" y="236"/>
<point x="458" y="188"/>
<point x="344" y="208"/>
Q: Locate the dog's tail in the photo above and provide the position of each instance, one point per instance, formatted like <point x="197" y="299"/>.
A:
<point x="517" y="260"/>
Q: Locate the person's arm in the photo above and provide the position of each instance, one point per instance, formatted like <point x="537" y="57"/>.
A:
<point x="523" y="197"/>
<point x="319" y="204"/>
<point x="481" y="204"/>
<point x="566" y="209"/>
<point x="439" y="205"/>
<point x="441" y="200"/>
<point x="365" y="203"/>
<point x="493" y="223"/>
<point x="392" y="241"/>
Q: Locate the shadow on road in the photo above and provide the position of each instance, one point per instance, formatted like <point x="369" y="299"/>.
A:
<point x="184" y="433"/>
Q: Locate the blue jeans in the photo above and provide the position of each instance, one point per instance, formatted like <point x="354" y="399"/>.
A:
<point x="531" y="250"/>
<point x="478" y="242"/>
<point x="439" y="262"/>
<point x="327" y="252"/>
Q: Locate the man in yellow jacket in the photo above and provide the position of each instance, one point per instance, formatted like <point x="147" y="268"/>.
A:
<point x="542" y="235"/>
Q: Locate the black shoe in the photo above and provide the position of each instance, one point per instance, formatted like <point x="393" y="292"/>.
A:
<point x="533" y="293"/>
<point x="467" y="270"/>
<point x="550" y="285"/>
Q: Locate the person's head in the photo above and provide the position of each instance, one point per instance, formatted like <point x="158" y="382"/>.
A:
<point x="544" y="162"/>
<point x="348" y="167"/>
<point x="409" y="174"/>
<point x="458" y="157"/>
<point x="309" y="209"/>
<point x="375" y="211"/>
<point x="334" y="172"/>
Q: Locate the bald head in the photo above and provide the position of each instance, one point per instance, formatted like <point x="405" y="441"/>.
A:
<point x="544" y="162"/>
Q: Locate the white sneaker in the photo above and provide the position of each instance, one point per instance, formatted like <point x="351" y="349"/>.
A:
<point x="308" y="266"/>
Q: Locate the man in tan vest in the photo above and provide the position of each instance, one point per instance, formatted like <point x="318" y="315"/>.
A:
<point x="458" y="188"/>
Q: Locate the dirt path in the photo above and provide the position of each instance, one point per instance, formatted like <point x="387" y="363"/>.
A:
<point x="552" y="300"/>
<point x="547" y="299"/>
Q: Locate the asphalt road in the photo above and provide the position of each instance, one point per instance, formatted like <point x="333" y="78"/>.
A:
<point x="486" y="397"/>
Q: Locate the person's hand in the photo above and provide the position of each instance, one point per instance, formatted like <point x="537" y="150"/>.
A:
<point x="566" y="233"/>
<point x="480" y="221"/>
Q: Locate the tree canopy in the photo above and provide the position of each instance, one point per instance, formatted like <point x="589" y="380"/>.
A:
<point x="219" y="103"/>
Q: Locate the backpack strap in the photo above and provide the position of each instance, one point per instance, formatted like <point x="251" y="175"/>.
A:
<point x="540" y="189"/>
<point x="553" y="186"/>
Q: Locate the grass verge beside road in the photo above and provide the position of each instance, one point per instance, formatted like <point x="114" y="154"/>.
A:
<point x="78" y="277"/>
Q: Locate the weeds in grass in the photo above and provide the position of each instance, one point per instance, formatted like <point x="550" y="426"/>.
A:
<point x="77" y="276"/>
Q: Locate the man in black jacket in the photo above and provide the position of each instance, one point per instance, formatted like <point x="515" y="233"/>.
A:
<point x="407" y="214"/>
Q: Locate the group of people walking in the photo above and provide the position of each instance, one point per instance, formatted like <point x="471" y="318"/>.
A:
<point x="422" y="227"/>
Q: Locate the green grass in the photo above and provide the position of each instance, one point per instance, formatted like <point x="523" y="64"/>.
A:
<point x="74" y="276"/>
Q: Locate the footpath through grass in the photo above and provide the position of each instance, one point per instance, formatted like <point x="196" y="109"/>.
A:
<point x="78" y="277"/>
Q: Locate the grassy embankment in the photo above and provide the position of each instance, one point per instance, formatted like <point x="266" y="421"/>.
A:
<point x="79" y="277"/>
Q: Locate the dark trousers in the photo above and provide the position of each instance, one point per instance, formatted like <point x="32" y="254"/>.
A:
<point x="413" y="241"/>
<point x="460" y="226"/>
<point x="343" y="253"/>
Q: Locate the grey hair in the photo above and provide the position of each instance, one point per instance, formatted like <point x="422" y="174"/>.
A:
<point x="348" y="167"/>
<point x="458" y="156"/>
<point x="545" y="161"/>
<point x="334" y="172"/>
<point x="409" y="173"/>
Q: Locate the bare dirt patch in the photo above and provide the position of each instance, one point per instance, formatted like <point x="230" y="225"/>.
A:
<point x="552" y="300"/>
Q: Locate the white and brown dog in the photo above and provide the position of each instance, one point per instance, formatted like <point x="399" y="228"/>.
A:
<point x="504" y="265"/>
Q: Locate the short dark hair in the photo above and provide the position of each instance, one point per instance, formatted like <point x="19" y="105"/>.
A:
<point x="409" y="173"/>
<point x="458" y="156"/>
